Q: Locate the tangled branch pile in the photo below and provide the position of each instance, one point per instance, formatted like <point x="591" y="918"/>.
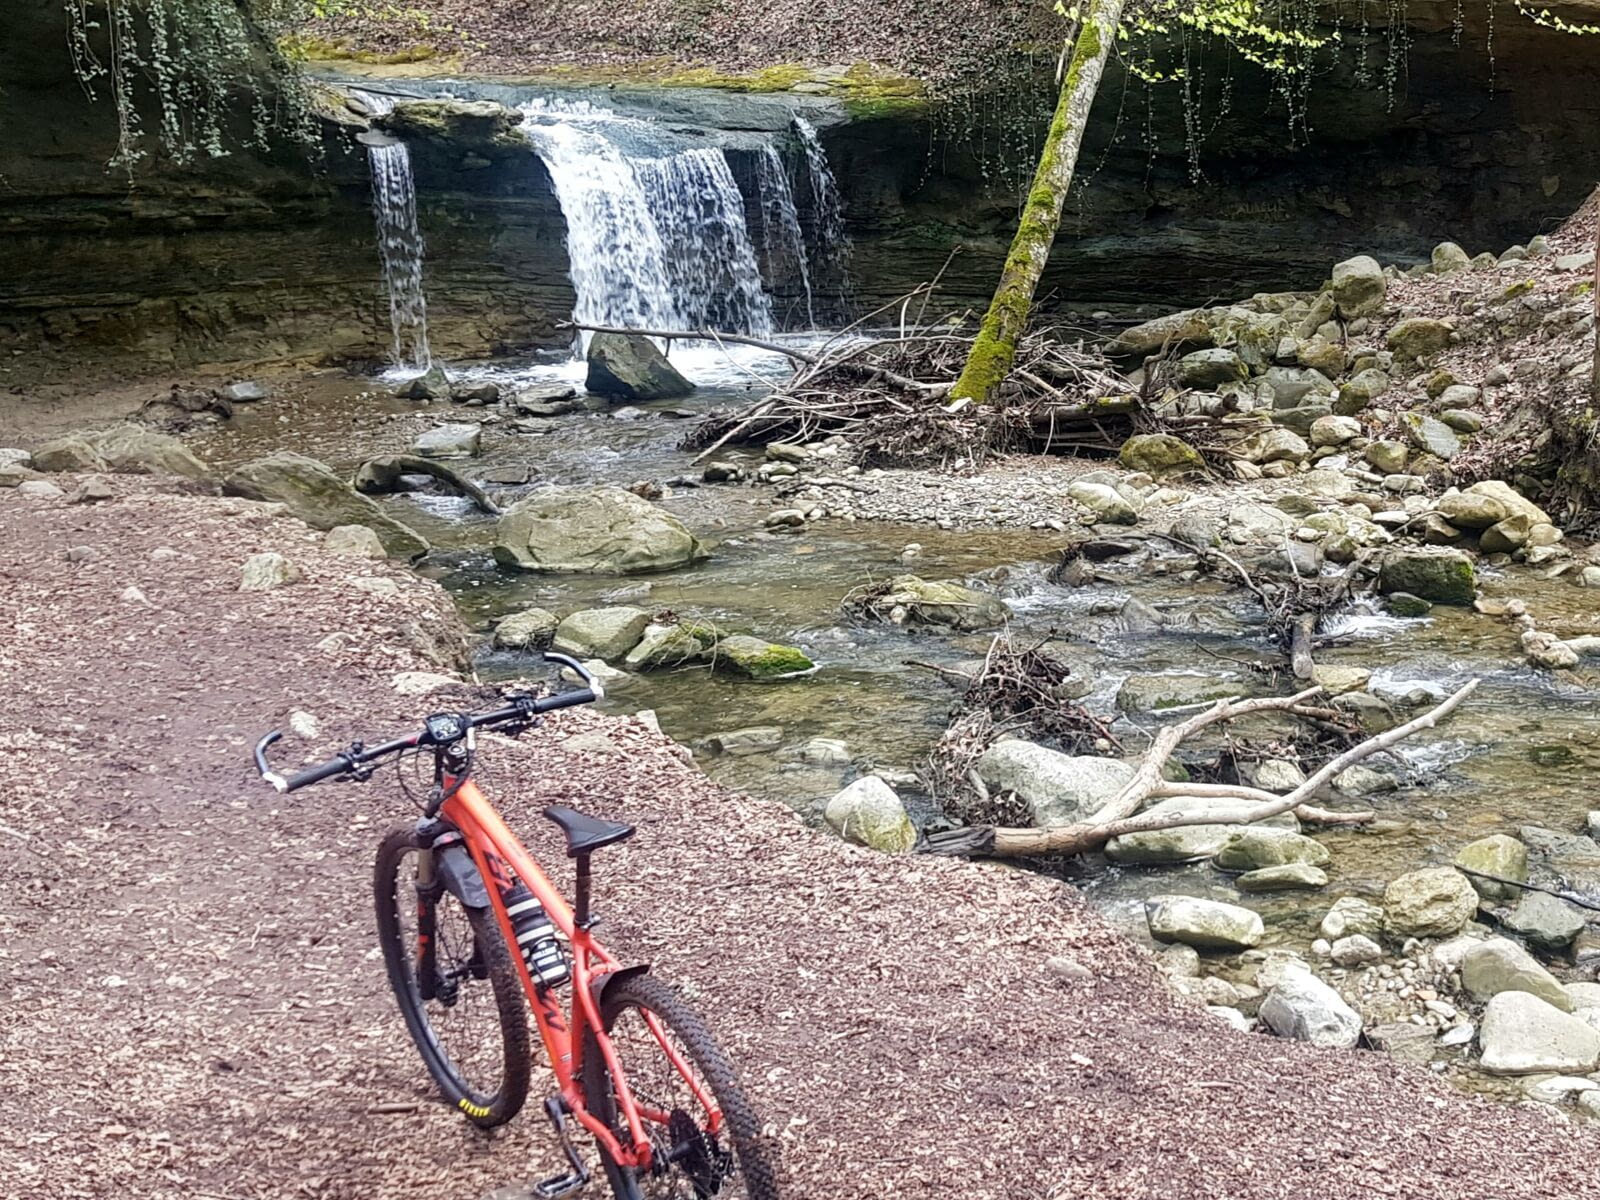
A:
<point x="1022" y="692"/>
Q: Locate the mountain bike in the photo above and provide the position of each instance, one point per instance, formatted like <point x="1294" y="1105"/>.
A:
<point x="474" y="933"/>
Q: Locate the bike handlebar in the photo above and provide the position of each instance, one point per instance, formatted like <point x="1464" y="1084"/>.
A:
<point x="441" y="729"/>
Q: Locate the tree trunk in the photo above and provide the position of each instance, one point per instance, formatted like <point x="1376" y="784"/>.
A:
<point x="1594" y="380"/>
<point x="992" y="354"/>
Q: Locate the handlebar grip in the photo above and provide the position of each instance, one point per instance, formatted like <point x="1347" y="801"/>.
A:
<point x="281" y="783"/>
<point x="568" y="700"/>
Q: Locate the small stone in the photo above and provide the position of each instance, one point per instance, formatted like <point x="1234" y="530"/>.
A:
<point x="265" y="571"/>
<point x="422" y="683"/>
<point x="1356" y="950"/>
<point x="39" y="489"/>
<point x="1291" y="877"/>
<point x="92" y="490"/>
<point x="354" y="541"/>
<point x="305" y="725"/>
<point x="246" y="391"/>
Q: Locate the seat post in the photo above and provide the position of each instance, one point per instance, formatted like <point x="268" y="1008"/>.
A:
<point x="580" y="907"/>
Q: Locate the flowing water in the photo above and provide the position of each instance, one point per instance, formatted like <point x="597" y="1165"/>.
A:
<point x="656" y="230"/>
<point x="400" y="245"/>
<point x="831" y="237"/>
<point x="783" y="241"/>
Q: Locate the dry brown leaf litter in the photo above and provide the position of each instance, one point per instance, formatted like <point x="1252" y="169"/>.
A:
<point x="196" y="1008"/>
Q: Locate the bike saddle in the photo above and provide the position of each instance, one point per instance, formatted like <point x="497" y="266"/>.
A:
<point x="587" y="834"/>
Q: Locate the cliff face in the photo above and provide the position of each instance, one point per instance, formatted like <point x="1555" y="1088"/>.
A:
<point x="252" y="256"/>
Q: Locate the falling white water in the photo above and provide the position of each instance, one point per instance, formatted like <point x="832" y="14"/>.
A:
<point x="656" y="235"/>
<point x="832" y="257"/>
<point x="400" y="246"/>
<point x="781" y="237"/>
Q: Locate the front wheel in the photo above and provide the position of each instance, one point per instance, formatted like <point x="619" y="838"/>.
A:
<point x="458" y="991"/>
<point x="650" y="1025"/>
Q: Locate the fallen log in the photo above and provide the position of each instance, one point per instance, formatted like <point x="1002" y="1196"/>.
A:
<point x="382" y="474"/>
<point x="1115" y="818"/>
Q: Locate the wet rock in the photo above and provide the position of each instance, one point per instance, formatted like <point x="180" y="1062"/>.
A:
<point x="529" y="629"/>
<point x="1523" y="1035"/>
<point x="1207" y="369"/>
<point x="1336" y="681"/>
<point x="603" y="530"/>
<point x="1253" y="848"/>
<point x="869" y="813"/>
<point x="604" y="633"/>
<point x="722" y="472"/>
<point x="1419" y="337"/>
<point x="483" y="392"/>
<point x="1060" y="788"/>
<point x="1499" y="854"/>
<point x="755" y="658"/>
<point x="934" y="602"/>
<point x="485" y="127"/>
<point x="1440" y="576"/>
<point x="1433" y="902"/>
<point x="1204" y="924"/>
<point x="432" y="384"/>
<point x="1359" y="287"/>
<point x="314" y="494"/>
<point x="1306" y="1009"/>
<point x="1498" y="965"/>
<point x="1156" y="693"/>
<point x="664" y="646"/>
<point x="824" y="752"/>
<point x="1548" y="651"/>
<point x="1404" y="604"/>
<point x="1188" y="843"/>
<point x="449" y="441"/>
<point x="631" y="368"/>
<point x="1159" y="454"/>
<point x="740" y="743"/>
<point x="1108" y="505"/>
<point x="1363" y="781"/>
<point x="265" y="571"/>
<point x="1290" y="877"/>
<point x="1545" y="921"/>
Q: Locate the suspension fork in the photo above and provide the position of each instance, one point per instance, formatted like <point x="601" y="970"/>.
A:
<point x="428" y="889"/>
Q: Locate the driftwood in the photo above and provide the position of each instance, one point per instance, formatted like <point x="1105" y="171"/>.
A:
<point x="1117" y="817"/>
<point x="382" y="474"/>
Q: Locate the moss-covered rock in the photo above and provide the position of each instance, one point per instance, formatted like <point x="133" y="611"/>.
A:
<point x="481" y="125"/>
<point x="755" y="658"/>
<point x="1420" y="337"/>
<point x="673" y="646"/>
<point x="936" y="602"/>
<point x="1160" y="454"/>
<point x="1442" y="576"/>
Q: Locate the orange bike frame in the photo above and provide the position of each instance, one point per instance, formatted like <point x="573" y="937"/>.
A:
<point x="495" y="850"/>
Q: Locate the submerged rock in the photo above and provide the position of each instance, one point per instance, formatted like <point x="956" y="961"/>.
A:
<point x="603" y="530"/>
<point x="1290" y="877"/>
<point x="629" y="367"/>
<point x="309" y="490"/>
<point x="1251" y="849"/>
<point x="870" y="814"/>
<point x="529" y="629"/>
<point x="1157" y="693"/>
<point x="942" y="602"/>
<point x="1546" y="921"/>
<point x="1500" y="855"/>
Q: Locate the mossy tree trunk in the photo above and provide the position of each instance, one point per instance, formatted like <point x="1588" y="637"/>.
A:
<point x="996" y="347"/>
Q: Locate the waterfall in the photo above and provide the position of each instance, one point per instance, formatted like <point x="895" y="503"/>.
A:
<point x="832" y="259"/>
<point x="656" y="233"/>
<point x="400" y="247"/>
<point x="781" y="236"/>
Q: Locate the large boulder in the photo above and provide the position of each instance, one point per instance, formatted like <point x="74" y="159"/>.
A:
<point x="1060" y="788"/>
<point x="1160" y="454"/>
<point x="483" y="126"/>
<point x="1523" y="1035"/>
<point x="628" y="367"/>
<point x="312" y="492"/>
<point x="606" y="633"/>
<point x="1442" y="576"/>
<point x="1251" y="849"/>
<point x="1203" y="924"/>
<point x="756" y="658"/>
<point x="1359" y="287"/>
<point x="1432" y="902"/>
<point x="870" y="814"/>
<point x="1499" y="854"/>
<point x="1498" y="965"/>
<point x="1206" y="369"/>
<point x="942" y="602"/>
<point x="1487" y="504"/>
<point x="603" y="531"/>
<point x="1304" y="1008"/>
